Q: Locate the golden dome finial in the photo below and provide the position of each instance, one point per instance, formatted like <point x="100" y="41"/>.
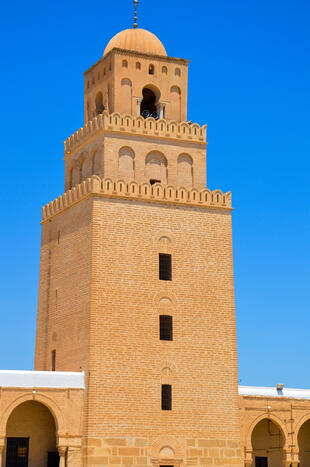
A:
<point x="136" y="2"/>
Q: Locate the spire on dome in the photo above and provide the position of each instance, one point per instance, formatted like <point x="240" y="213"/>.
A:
<point x="135" y="24"/>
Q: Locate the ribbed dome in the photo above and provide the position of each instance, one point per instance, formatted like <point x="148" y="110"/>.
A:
<point x="138" y="40"/>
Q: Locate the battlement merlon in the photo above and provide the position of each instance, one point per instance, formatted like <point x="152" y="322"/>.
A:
<point x="157" y="193"/>
<point x="115" y="122"/>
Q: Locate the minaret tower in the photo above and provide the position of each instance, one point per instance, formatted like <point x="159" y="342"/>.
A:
<point x="136" y="277"/>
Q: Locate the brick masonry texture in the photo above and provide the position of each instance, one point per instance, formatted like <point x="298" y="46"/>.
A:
<point x="102" y="257"/>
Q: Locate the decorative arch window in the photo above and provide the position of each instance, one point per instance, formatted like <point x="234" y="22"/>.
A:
<point x="75" y="174"/>
<point x="185" y="170"/>
<point x="126" y="95"/>
<point x="156" y="168"/>
<point x="175" y="90"/>
<point x="164" y="70"/>
<point x="175" y="100"/>
<point x="85" y="167"/>
<point x="177" y="72"/>
<point x="138" y="66"/>
<point x="95" y="163"/>
<point x="125" y="64"/>
<point x="87" y="84"/>
<point x="104" y="71"/>
<point x="151" y="69"/>
<point x="99" y="103"/>
<point x="93" y="80"/>
<point x="126" y="163"/>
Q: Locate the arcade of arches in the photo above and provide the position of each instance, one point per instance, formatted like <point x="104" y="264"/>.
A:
<point x="41" y="427"/>
<point x="275" y="432"/>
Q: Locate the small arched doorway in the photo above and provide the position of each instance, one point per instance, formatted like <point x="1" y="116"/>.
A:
<point x="31" y="437"/>
<point x="267" y="443"/>
<point x="304" y="444"/>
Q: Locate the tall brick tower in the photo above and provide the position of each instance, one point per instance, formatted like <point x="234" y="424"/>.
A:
<point x="136" y="277"/>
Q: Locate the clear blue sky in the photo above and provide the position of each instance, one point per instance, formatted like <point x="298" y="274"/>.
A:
<point x="248" y="80"/>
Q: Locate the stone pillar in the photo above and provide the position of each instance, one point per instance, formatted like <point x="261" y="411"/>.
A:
<point x="62" y="455"/>
<point x="139" y="100"/>
<point x="161" y="110"/>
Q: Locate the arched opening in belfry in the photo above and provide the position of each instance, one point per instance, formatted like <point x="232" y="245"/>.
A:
<point x="99" y="103"/>
<point x="148" y="104"/>
<point x="267" y="444"/>
<point x="31" y="437"/>
<point x="304" y="444"/>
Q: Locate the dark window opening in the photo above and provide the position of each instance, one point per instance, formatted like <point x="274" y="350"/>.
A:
<point x="53" y="459"/>
<point x="153" y="181"/>
<point x="165" y="267"/>
<point x="148" y="107"/>
<point x="17" y="450"/>
<point x="165" y="328"/>
<point x="151" y="70"/>
<point x="53" y="360"/>
<point x="166" y="397"/>
<point x="261" y="461"/>
<point x="99" y="103"/>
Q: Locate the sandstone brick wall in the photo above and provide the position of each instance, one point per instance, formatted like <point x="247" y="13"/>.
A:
<point x="107" y="264"/>
<point x="65" y="290"/>
<point x="128" y="362"/>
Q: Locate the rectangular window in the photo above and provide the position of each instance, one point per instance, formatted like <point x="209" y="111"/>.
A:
<point x="261" y="461"/>
<point x="166" y="397"/>
<point x="165" y="267"/>
<point x="165" y="328"/>
<point x="53" y="360"/>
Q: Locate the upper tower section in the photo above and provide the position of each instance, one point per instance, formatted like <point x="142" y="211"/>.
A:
<point x="136" y="77"/>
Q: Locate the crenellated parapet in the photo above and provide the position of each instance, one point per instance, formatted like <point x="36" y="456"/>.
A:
<point x="157" y="193"/>
<point x="126" y="123"/>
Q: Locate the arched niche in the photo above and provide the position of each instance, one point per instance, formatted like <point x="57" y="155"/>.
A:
<point x="126" y="163"/>
<point x="31" y="432"/>
<point x="185" y="170"/>
<point x="99" y="103"/>
<point x="75" y="175"/>
<point x="267" y="443"/>
<point x="95" y="163"/>
<point x="85" y="167"/>
<point x="156" y="168"/>
<point x="126" y="95"/>
<point x="175" y="98"/>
